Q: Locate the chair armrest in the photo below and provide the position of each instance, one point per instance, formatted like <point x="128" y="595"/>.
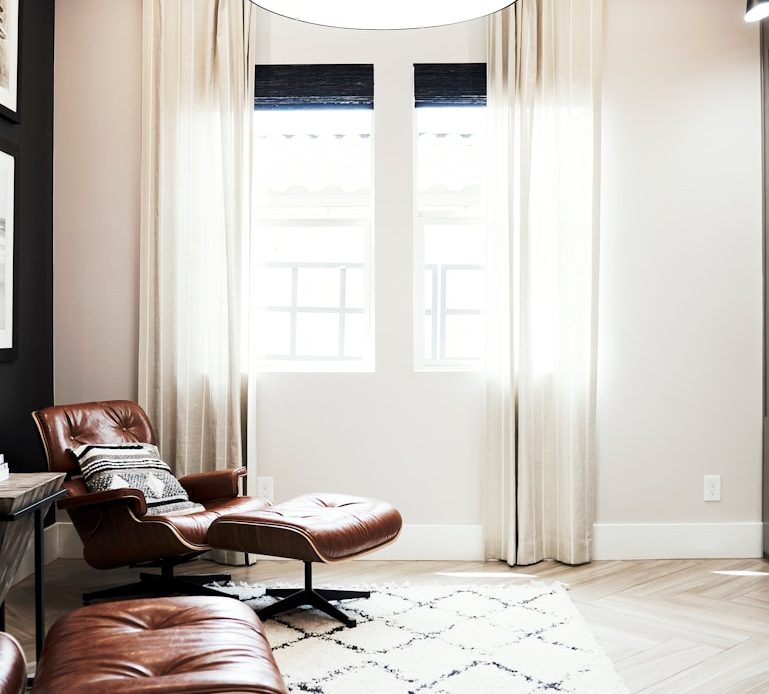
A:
<point x="216" y="484"/>
<point x="133" y="498"/>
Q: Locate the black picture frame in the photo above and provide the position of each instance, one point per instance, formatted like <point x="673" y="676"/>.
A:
<point x="9" y="248"/>
<point x="10" y="55"/>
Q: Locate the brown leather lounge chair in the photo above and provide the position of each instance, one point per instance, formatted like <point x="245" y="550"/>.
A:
<point x="113" y="524"/>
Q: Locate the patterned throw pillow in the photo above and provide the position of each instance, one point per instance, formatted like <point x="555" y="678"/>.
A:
<point x="135" y="466"/>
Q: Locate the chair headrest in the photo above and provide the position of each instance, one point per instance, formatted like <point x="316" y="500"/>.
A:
<point x="63" y="427"/>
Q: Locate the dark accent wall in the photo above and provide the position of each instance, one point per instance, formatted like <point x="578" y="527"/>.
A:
<point x="27" y="382"/>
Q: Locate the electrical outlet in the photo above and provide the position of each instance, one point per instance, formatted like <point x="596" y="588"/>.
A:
<point x="264" y="488"/>
<point x="712" y="487"/>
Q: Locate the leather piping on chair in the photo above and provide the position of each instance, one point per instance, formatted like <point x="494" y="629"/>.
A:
<point x="307" y="538"/>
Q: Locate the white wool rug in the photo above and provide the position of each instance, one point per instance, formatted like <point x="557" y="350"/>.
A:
<point x="518" y="639"/>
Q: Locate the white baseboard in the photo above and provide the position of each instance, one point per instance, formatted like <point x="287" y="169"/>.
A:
<point x="677" y="540"/>
<point x="70" y="545"/>
<point x="610" y="541"/>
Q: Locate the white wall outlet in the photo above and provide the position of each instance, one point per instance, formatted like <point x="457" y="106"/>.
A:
<point x="264" y="488"/>
<point x="712" y="487"/>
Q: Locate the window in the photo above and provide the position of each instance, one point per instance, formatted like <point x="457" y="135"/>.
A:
<point x="312" y="240"/>
<point x="450" y="240"/>
<point x="312" y="243"/>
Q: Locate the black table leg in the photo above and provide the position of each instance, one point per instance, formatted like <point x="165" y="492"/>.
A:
<point x="39" y="607"/>
<point x="2" y="616"/>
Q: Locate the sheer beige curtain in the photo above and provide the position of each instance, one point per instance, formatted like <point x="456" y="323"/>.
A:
<point x="543" y="103"/>
<point x="196" y="189"/>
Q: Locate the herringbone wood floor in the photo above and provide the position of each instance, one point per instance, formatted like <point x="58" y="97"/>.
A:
<point x="671" y="627"/>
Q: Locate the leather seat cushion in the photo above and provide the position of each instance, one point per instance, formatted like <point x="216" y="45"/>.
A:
<point x="158" y="646"/>
<point x="313" y="527"/>
<point x="193" y="527"/>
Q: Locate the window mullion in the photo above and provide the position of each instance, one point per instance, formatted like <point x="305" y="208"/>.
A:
<point x="394" y="210"/>
<point x="342" y="308"/>
<point x="294" y="300"/>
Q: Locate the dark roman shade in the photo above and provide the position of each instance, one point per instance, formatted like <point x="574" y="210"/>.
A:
<point x="449" y="84"/>
<point x="352" y="86"/>
<point x="314" y="86"/>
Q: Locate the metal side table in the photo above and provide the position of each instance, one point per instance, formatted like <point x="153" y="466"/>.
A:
<point x="24" y="500"/>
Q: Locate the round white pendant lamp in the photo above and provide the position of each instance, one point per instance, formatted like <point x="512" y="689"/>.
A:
<point x="757" y="10"/>
<point x="383" y="14"/>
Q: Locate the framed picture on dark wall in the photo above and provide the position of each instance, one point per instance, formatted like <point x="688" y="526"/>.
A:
<point x="8" y="283"/>
<point x="10" y="31"/>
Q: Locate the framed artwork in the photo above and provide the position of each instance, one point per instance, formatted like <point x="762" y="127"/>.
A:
<point x="8" y="318"/>
<point x="10" y="30"/>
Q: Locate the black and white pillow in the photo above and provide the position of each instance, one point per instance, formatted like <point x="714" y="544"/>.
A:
<point x="135" y="466"/>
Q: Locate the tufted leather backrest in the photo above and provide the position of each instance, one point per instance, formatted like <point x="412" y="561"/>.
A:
<point x="69" y="426"/>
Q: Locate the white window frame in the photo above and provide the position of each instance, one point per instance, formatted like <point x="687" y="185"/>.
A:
<point x="321" y="364"/>
<point x="439" y="363"/>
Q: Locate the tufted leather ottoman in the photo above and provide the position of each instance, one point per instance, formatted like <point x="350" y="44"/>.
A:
<point x="158" y="646"/>
<point x="311" y="528"/>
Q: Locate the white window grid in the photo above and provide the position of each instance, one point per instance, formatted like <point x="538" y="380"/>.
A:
<point x="439" y="310"/>
<point x="294" y="309"/>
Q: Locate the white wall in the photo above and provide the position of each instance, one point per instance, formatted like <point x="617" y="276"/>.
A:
<point x="680" y="324"/>
<point x="412" y="438"/>
<point x="680" y="311"/>
<point x="97" y="151"/>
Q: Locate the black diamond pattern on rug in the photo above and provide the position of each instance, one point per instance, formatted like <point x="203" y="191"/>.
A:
<point x="517" y="639"/>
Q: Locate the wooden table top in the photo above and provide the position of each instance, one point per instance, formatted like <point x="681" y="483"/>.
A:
<point x="20" y="483"/>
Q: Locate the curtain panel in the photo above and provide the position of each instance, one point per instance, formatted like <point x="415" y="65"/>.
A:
<point x="542" y="268"/>
<point x="195" y="219"/>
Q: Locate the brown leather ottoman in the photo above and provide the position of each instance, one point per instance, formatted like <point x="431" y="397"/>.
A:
<point x="13" y="667"/>
<point x="158" y="646"/>
<point x="311" y="528"/>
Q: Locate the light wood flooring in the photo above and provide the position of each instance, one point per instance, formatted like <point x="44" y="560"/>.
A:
<point x="673" y="626"/>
